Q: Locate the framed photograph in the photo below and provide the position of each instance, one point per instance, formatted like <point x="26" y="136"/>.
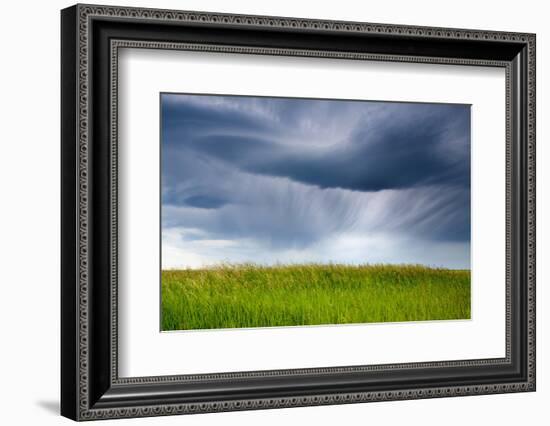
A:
<point x="263" y="212"/>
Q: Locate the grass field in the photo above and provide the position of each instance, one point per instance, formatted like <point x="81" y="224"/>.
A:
<point x="256" y="296"/>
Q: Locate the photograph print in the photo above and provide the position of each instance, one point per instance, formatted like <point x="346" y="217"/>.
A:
<point x="280" y="212"/>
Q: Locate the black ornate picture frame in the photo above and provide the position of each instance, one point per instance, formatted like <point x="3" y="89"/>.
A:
<point x="90" y="39"/>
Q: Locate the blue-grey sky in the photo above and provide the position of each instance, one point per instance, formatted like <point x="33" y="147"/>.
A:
<point x="286" y="180"/>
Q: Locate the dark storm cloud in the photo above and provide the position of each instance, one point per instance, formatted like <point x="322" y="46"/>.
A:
<point x="404" y="149"/>
<point x="291" y="173"/>
<point x="204" y="201"/>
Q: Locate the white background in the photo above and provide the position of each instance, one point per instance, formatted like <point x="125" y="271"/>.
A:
<point x="29" y="229"/>
<point x="146" y="352"/>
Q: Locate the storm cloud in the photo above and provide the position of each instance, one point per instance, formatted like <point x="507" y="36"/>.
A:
<point x="279" y="179"/>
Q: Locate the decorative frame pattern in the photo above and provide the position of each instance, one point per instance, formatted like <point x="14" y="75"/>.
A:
<point x="87" y="403"/>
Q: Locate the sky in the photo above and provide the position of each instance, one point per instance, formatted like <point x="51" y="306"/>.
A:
<point x="287" y="180"/>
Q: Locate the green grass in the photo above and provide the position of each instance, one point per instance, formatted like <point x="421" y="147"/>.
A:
<point x="235" y="296"/>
